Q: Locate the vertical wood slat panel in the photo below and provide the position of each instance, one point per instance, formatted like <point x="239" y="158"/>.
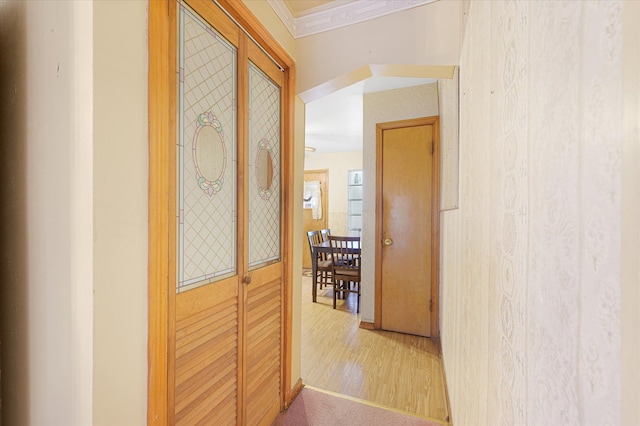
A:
<point x="263" y="351"/>
<point x="207" y="365"/>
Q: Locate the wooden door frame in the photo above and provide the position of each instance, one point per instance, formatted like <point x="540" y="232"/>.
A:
<point x="162" y="167"/>
<point x="325" y="197"/>
<point x="435" y="218"/>
<point x="325" y="200"/>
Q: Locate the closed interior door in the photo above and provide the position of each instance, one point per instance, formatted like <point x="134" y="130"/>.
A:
<point x="225" y="333"/>
<point x="263" y="265"/>
<point x="407" y="202"/>
<point x="311" y="221"/>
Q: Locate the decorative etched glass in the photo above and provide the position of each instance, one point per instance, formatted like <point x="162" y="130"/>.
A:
<point x="209" y="153"/>
<point x="264" y="169"/>
<point x="206" y="154"/>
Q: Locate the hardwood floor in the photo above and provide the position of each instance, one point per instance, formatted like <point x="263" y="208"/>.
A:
<point x="394" y="370"/>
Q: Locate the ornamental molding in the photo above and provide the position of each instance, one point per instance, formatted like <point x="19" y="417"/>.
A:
<point x="340" y="16"/>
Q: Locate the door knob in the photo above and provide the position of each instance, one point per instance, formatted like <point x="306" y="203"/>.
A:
<point x="246" y="279"/>
<point x="388" y="241"/>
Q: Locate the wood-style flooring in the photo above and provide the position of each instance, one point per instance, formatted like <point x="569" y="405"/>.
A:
<point x="394" y="370"/>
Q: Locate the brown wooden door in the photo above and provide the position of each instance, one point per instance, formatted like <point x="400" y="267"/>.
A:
<point x="309" y="222"/>
<point x="225" y="310"/>
<point x="263" y="264"/>
<point x="407" y="226"/>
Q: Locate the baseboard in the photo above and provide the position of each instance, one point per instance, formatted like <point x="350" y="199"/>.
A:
<point x="446" y="384"/>
<point x="367" y="325"/>
<point x="294" y="392"/>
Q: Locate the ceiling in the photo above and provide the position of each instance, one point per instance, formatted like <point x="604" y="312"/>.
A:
<point x="333" y="123"/>
<point x="304" y="7"/>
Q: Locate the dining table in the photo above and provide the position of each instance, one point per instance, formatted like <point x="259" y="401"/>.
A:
<point x="324" y="247"/>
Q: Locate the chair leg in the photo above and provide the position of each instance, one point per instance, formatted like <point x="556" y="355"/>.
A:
<point x="335" y="293"/>
<point x="314" y="289"/>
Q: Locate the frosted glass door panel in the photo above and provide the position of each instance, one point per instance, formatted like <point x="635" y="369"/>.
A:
<point x="355" y="207"/>
<point x="206" y="154"/>
<point x="264" y="169"/>
<point x="356" y="222"/>
<point x="355" y="192"/>
<point x="355" y="177"/>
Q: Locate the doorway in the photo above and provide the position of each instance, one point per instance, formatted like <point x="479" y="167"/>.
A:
<point x="407" y="232"/>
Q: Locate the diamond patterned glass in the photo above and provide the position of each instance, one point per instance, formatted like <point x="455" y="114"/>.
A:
<point x="264" y="169"/>
<point x="206" y="154"/>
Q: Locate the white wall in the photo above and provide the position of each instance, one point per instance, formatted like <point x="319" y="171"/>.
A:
<point x="381" y="107"/>
<point x="338" y="165"/>
<point x="531" y="277"/>
<point x="47" y="212"/>
<point x="75" y="284"/>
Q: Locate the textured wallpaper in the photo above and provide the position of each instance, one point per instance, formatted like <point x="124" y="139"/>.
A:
<point x="449" y="125"/>
<point x="530" y="273"/>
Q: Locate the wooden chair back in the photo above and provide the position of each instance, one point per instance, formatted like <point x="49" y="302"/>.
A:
<point x="315" y="238"/>
<point x="345" y="266"/>
<point x="325" y="234"/>
<point x="345" y="253"/>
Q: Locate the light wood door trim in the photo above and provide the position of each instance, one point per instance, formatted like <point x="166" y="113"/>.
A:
<point x="161" y="124"/>
<point x="162" y="130"/>
<point x="435" y="205"/>
<point x="243" y="243"/>
<point x="306" y="255"/>
<point x="288" y="389"/>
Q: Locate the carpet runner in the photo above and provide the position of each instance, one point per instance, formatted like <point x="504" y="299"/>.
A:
<point x="314" y="407"/>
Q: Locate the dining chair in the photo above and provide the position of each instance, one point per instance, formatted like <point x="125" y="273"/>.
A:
<point x="323" y="269"/>
<point x="325" y="234"/>
<point x="345" y="266"/>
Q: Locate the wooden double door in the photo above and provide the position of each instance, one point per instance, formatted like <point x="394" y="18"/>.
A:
<point x="224" y="306"/>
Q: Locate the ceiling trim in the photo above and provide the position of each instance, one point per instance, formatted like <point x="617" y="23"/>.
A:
<point x="374" y="70"/>
<point x="340" y="16"/>
<point x="284" y="14"/>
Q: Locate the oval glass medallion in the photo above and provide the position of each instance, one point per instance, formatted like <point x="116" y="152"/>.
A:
<point x="264" y="169"/>
<point x="209" y="153"/>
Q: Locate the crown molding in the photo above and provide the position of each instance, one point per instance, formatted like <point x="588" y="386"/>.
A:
<point x="284" y="14"/>
<point x="340" y="16"/>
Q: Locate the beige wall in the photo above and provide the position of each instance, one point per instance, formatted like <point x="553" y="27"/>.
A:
<point x="296" y="319"/>
<point x="381" y="107"/>
<point x="46" y="189"/>
<point x="270" y="20"/>
<point x="531" y="275"/>
<point x="338" y="165"/>
<point x="120" y="217"/>
<point x="630" y="292"/>
<point x="425" y="35"/>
